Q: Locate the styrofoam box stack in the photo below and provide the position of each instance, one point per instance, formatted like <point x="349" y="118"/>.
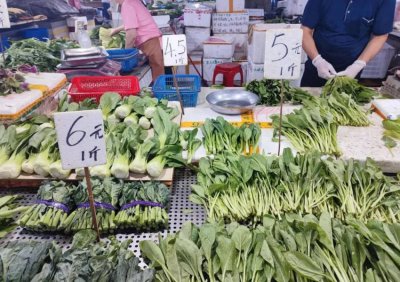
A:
<point x="229" y="6"/>
<point x="239" y="41"/>
<point x="216" y="48"/>
<point x="197" y="15"/>
<point x="230" y="23"/>
<point x="195" y="36"/>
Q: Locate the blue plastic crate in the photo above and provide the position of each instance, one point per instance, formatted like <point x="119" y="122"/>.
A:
<point x="127" y="57"/>
<point x="41" y="34"/>
<point x="189" y="88"/>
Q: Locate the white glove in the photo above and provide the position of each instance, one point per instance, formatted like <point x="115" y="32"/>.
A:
<point x="354" y="69"/>
<point x="325" y="69"/>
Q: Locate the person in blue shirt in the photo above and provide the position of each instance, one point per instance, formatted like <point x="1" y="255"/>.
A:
<point x="341" y="36"/>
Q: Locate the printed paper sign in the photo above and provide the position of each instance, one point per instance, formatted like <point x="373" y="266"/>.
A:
<point x="4" y="17"/>
<point x="175" y="50"/>
<point x="283" y="48"/>
<point x="81" y="138"/>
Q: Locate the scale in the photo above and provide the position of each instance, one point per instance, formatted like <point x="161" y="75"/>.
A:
<point x="88" y="62"/>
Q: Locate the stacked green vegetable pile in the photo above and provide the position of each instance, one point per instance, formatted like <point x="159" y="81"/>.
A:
<point x="106" y="193"/>
<point x="143" y="206"/>
<point x="141" y="137"/>
<point x="246" y="188"/>
<point x="309" y="130"/>
<point x="22" y="260"/>
<point x="44" y="55"/>
<point x="87" y="260"/>
<point x="221" y="136"/>
<point x="269" y="91"/>
<point x="53" y="203"/>
<point x="8" y="210"/>
<point x="293" y="249"/>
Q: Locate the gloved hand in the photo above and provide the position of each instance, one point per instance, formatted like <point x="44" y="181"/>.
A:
<point x="325" y="69"/>
<point x="353" y="70"/>
<point x="113" y="31"/>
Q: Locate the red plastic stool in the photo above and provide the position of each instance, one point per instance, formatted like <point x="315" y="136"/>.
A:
<point x="229" y="71"/>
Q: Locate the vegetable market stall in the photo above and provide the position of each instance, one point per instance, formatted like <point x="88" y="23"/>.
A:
<point x="356" y="143"/>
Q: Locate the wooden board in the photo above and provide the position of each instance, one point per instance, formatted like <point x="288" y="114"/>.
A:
<point x="34" y="181"/>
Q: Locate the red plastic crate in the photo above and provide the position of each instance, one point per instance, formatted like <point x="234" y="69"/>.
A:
<point x="84" y="87"/>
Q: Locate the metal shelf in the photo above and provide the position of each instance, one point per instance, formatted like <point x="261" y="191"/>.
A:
<point x="181" y="210"/>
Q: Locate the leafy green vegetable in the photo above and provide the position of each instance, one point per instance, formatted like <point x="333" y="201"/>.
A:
<point x="8" y="210"/>
<point x="269" y="91"/>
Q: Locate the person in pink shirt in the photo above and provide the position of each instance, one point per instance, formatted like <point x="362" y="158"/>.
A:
<point x="141" y="32"/>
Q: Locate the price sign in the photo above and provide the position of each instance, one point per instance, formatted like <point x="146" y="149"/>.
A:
<point x="4" y="17"/>
<point x="283" y="53"/>
<point x="81" y="138"/>
<point x="175" y="50"/>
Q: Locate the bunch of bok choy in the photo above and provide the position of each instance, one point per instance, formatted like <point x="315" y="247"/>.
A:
<point x="143" y="206"/>
<point x="53" y="203"/>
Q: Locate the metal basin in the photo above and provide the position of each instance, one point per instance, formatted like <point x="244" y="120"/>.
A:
<point x="232" y="101"/>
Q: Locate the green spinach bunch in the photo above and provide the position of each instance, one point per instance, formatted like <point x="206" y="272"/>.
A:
<point x="246" y="188"/>
<point x="295" y="248"/>
<point x="87" y="260"/>
<point x="308" y="130"/>
<point x="269" y="91"/>
<point x="143" y="206"/>
<point x="8" y="210"/>
<point x="350" y="86"/>
<point x="220" y="136"/>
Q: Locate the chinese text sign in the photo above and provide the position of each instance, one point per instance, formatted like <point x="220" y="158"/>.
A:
<point x="81" y="138"/>
<point x="283" y="48"/>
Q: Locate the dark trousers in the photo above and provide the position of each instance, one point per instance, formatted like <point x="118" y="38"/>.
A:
<point x="106" y="15"/>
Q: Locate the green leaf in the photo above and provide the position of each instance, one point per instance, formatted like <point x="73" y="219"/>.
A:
<point x="304" y="265"/>
<point x="150" y="250"/>
<point x="226" y="251"/>
<point x="242" y="238"/>
<point x="190" y="257"/>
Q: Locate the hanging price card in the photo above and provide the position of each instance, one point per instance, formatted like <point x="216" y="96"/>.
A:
<point x="80" y="137"/>
<point x="175" y="50"/>
<point x="4" y="17"/>
<point x="283" y="53"/>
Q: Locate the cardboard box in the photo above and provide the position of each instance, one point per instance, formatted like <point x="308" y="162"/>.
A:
<point x="256" y="47"/>
<point x="197" y="59"/>
<point x="209" y="66"/>
<point x="230" y="22"/>
<point x="230" y="6"/>
<point x="219" y="50"/>
<point x="195" y="36"/>
<point x="239" y="40"/>
<point x="197" y="15"/>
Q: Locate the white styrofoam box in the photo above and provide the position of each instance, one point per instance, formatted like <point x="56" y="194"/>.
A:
<point x="162" y="21"/>
<point x="255" y="12"/>
<point x="218" y="50"/>
<point x="197" y="59"/>
<point x="209" y="66"/>
<point x="238" y="39"/>
<point x="14" y="103"/>
<point x="243" y="64"/>
<point x="256" y="47"/>
<point x="230" y="6"/>
<point x="230" y="22"/>
<point x="254" y="71"/>
<point x="197" y="15"/>
<point x="195" y="36"/>
<point x="72" y="20"/>
<point x="378" y="66"/>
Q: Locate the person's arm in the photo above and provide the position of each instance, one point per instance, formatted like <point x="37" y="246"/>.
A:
<point x="324" y="68"/>
<point x="308" y="43"/>
<point x="130" y="38"/>
<point x="116" y="30"/>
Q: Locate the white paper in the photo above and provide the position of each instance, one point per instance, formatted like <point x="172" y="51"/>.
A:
<point x="175" y="50"/>
<point x="4" y="17"/>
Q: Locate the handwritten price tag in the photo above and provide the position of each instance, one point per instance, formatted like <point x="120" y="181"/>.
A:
<point x="283" y="54"/>
<point x="4" y="17"/>
<point x="80" y="137"/>
<point x="175" y="50"/>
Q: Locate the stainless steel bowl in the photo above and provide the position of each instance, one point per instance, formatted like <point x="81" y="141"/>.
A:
<point x="232" y="101"/>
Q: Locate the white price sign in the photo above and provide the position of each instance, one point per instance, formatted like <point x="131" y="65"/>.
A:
<point x="81" y="139"/>
<point x="283" y="50"/>
<point x="4" y="17"/>
<point x="175" y="50"/>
